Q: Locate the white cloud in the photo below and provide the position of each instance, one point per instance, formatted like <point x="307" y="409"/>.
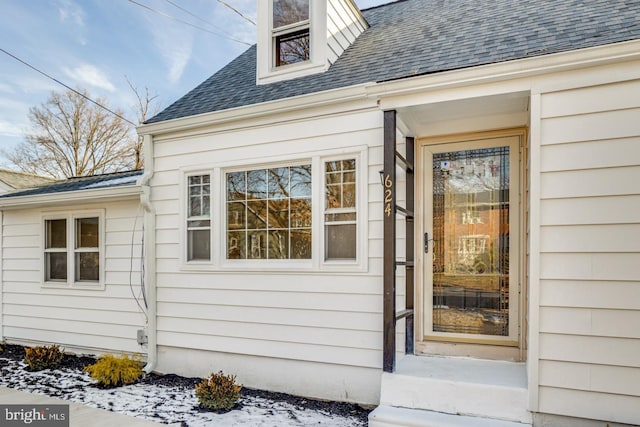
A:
<point x="90" y="75"/>
<point x="177" y="61"/>
<point x="71" y="12"/>
<point x="175" y="45"/>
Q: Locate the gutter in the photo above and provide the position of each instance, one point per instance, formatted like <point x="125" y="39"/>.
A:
<point x="149" y="255"/>
<point x="64" y="198"/>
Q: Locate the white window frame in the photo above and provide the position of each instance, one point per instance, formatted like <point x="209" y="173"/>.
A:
<point x="185" y="218"/>
<point x="189" y="218"/>
<point x="267" y="71"/>
<point x="71" y="250"/>
<point x="266" y="263"/>
<point x="219" y="261"/>
<point x="355" y="209"/>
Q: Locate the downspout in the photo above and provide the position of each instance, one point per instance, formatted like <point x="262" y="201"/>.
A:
<point x="149" y="254"/>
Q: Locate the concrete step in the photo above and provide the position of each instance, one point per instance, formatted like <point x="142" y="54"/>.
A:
<point x="387" y="416"/>
<point x="470" y="387"/>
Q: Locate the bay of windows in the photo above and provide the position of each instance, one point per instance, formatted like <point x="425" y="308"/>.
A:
<point x="269" y="213"/>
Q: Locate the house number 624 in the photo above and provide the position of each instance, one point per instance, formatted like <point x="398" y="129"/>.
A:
<point x="388" y="194"/>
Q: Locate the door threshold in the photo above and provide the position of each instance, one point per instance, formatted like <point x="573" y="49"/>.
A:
<point x="467" y="350"/>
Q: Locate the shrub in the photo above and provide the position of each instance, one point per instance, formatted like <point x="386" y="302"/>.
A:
<point x="219" y="392"/>
<point x="42" y="357"/>
<point x="114" y="371"/>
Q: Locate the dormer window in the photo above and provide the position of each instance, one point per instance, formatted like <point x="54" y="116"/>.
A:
<point x="297" y="38"/>
<point x="290" y="31"/>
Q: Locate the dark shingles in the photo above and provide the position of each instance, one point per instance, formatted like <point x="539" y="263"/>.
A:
<point x="81" y="183"/>
<point x="416" y="37"/>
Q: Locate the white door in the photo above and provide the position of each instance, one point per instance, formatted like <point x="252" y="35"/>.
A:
<point x="470" y="242"/>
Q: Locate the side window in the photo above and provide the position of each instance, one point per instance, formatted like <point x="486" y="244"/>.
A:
<point x="199" y="218"/>
<point x="269" y="213"/>
<point x="72" y="250"/>
<point x="340" y="214"/>
<point x="290" y="23"/>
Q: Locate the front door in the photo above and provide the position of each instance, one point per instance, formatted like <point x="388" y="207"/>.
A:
<point x="470" y="242"/>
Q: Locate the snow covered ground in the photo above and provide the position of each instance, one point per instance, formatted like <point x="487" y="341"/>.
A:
<point x="173" y="404"/>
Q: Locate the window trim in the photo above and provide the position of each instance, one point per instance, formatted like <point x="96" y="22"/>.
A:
<point x="265" y="263"/>
<point x="267" y="71"/>
<point x="317" y="263"/>
<point x="185" y="218"/>
<point x="356" y="209"/>
<point x="189" y="218"/>
<point x="71" y="250"/>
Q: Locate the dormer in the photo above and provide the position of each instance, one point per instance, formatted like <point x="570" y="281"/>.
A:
<point x="302" y="37"/>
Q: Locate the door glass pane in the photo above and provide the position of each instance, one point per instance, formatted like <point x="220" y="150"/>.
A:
<point x="471" y="242"/>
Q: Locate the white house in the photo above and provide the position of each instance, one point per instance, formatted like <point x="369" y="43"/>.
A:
<point x="430" y="206"/>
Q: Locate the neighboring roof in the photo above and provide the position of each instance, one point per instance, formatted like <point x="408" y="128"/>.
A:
<point x="415" y="37"/>
<point x="20" y="180"/>
<point x="119" y="179"/>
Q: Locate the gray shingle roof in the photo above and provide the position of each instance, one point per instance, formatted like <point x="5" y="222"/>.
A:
<point x="20" y="180"/>
<point x="414" y="37"/>
<point x="81" y="183"/>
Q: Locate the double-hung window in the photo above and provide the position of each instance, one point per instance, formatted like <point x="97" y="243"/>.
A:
<point x="340" y="213"/>
<point x="290" y="31"/>
<point x="199" y="218"/>
<point x="72" y="250"/>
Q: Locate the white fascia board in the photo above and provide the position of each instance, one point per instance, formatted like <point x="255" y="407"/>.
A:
<point x="509" y="70"/>
<point x="72" y="197"/>
<point x="296" y="103"/>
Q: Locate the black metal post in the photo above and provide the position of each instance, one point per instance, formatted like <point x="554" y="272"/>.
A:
<point x="389" y="242"/>
<point x="410" y="244"/>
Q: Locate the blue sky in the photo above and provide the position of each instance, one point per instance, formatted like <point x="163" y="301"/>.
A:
<point x="94" y="44"/>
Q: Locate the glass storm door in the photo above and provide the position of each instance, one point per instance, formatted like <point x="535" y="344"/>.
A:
<point x="470" y="241"/>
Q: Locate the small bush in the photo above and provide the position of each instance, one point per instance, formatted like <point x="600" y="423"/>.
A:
<point x="42" y="357"/>
<point x="114" y="371"/>
<point x="219" y="392"/>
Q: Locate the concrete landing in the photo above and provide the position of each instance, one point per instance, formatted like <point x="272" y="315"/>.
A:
<point x="442" y="391"/>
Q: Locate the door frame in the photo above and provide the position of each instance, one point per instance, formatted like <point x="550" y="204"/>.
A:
<point x="461" y="346"/>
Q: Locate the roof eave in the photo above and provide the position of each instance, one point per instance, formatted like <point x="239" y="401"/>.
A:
<point x="67" y="198"/>
<point x="295" y="103"/>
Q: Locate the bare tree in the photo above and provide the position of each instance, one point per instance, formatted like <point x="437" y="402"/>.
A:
<point x="70" y="136"/>
<point x="145" y="108"/>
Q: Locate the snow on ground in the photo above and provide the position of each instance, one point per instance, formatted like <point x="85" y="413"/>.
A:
<point x="173" y="405"/>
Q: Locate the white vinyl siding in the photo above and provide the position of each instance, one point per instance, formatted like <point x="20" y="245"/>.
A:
<point x="85" y="319"/>
<point x="311" y="315"/>
<point x="590" y="252"/>
<point x="344" y="25"/>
